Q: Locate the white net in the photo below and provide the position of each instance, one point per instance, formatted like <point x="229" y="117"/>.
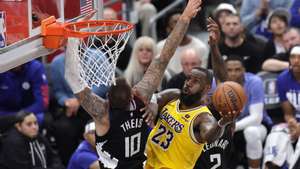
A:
<point x="98" y="54"/>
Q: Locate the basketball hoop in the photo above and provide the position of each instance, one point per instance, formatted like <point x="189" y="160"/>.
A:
<point x="100" y="44"/>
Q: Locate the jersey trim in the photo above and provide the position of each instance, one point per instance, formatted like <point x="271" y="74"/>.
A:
<point x="187" y="110"/>
<point x="191" y="131"/>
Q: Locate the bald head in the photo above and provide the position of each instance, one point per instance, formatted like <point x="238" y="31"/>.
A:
<point x="109" y="14"/>
<point x="190" y="59"/>
<point x="291" y="38"/>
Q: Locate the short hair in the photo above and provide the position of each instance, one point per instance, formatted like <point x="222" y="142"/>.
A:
<point x="208" y="73"/>
<point x="234" y="58"/>
<point x="234" y="15"/>
<point x="20" y="116"/>
<point x="292" y="28"/>
<point x="170" y="14"/>
<point x="119" y="94"/>
<point x="290" y="50"/>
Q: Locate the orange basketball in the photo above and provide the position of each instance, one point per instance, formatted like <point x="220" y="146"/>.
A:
<point x="229" y="96"/>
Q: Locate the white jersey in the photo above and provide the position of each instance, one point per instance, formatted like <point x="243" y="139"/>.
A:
<point x="279" y="148"/>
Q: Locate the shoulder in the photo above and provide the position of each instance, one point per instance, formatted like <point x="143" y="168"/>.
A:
<point x="284" y="75"/>
<point x="252" y="78"/>
<point x="58" y="59"/>
<point x="13" y="139"/>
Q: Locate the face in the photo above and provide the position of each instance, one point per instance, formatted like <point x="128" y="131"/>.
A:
<point x="222" y="15"/>
<point x="232" y="27"/>
<point x="29" y="127"/>
<point x="277" y="26"/>
<point x="295" y="63"/>
<point x="172" y="22"/>
<point x="291" y="38"/>
<point x="294" y="128"/>
<point x="145" y="55"/>
<point x="235" y="71"/>
<point x="190" y="60"/>
<point x="195" y="86"/>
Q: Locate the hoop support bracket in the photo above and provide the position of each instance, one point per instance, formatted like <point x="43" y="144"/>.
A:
<point x="52" y="33"/>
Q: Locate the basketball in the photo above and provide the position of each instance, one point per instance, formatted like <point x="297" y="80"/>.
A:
<point x="229" y="96"/>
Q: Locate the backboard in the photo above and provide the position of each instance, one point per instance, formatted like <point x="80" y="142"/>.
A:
<point x="23" y="18"/>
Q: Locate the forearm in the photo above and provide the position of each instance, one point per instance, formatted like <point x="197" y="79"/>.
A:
<point x="255" y="117"/>
<point x="274" y="65"/>
<point x="214" y="133"/>
<point x="218" y="64"/>
<point x="154" y="74"/>
<point x="92" y="103"/>
<point x="166" y="96"/>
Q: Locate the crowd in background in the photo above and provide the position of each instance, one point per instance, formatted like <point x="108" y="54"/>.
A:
<point x="261" y="47"/>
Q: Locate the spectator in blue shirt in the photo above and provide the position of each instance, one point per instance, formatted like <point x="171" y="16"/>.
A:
<point x="85" y="156"/>
<point x="249" y="123"/>
<point x="289" y="87"/>
<point x="23" y="88"/>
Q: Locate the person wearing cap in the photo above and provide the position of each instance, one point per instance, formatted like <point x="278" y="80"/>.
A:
<point x="254" y="14"/>
<point x="223" y="10"/>
<point x="278" y="22"/>
<point x="85" y="156"/>
<point x="288" y="85"/>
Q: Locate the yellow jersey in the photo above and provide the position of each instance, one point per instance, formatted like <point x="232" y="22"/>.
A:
<point x="171" y="144"/>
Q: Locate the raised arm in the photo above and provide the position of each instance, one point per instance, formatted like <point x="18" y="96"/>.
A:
<point x="217" y="61"/>
<point x="93" y="104"/>
<point x="154" y="74"/>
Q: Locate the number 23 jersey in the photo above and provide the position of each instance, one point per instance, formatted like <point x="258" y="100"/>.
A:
<point x="171" y="143"/>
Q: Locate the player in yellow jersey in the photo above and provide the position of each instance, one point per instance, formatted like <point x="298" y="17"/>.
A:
<point x="186" y="124"/>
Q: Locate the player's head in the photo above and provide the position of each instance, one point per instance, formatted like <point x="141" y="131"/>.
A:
<point x="196" y="85"/>
<point x="26" y="123"/>
<point x="294" y="59"/>
<point x="235" y="68"/>
<point x="119" y="94"/>
<point x="89" y="133"/>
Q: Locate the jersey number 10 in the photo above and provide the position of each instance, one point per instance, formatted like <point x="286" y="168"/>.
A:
<point x="132" y="145"/>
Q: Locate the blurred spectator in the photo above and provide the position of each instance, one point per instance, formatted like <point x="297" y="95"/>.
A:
<point x="249" y="127"/>
<point x="280" y="62"/>
<point x="23" y="88"/>
<point x="145" y="10"/>
<point x="85" y="156"/>
<point x="223" y="10"/>
<point x="282" y="148"/>
<point x="24" y="148"/>
<point x="289" y="87"/>
<point x="254" y="14"/>
<point x="188" y="59"/>
<point x="111" y="14"/>
<point x="144" y="51"/>
<point x="70" y="118"/>
<point x="235" y="42"/>
<point x="278" y="22"/>
<point x="188" y="41"/>
<point x="295" y="13"/>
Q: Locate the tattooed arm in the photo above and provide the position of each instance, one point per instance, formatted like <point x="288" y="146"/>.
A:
<point x="207" y="129"/>
<point x="154" y="74"/>
<point x="218" y="64"/>
<point x="93" y="104"/>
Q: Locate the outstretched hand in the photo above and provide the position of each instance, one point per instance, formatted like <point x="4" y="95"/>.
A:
<point x="227" y="118"/>
<point x="214" y="32"/>
<point x="192" y="8"/>
<point x="150" y="114"/>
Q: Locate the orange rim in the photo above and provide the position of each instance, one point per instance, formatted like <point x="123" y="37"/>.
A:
<point x="69" y="32"/>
